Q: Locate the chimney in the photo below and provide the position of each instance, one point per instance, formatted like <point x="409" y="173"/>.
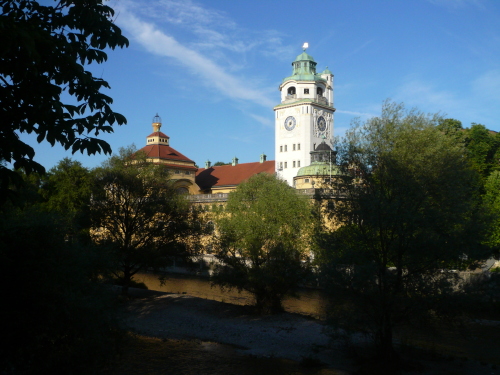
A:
<point x="235" y="161"/>
<point x="208" y="164"/>
<point x="263" y="157"/>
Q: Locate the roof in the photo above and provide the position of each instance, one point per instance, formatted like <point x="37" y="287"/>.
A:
<point x="158" y="134"/>
<point x="163" y="152"/>
<point x="320" y="169"/>
<point x="229" y="175"/>
<point x="304" y="57"/>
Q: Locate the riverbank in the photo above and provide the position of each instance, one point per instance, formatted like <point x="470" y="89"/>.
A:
<point x="183" y="317"/>
<point x="211" y="332"/>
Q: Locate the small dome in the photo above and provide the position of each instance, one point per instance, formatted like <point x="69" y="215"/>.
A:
<point x="327" y="71"/>
<point x="304" y="56"/>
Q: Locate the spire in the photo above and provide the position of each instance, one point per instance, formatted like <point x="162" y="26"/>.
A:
<point x="156" y="123"/>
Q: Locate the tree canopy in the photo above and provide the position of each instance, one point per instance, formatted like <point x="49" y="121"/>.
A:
<point x="44" y="87"/>
<point x="138" y="216"/>
<point x="412" y="211"/>
<point x="262" y="243"/>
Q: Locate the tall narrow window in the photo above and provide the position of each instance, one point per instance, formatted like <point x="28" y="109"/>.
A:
<point x="281" y="148"/>
<point x="298" y="146"/>
<point x="286" y="164"/>
<point x="285" y="148"/>
<point x="294" y="163"/>
<point x="298" y="163"/>
<point x="294" y="147"/>
<point x="281" y="165"/>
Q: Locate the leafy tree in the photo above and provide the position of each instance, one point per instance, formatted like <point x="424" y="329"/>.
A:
<point x="262" y="243"/>
<point x="483" y="149"/>
<point x="67" y="187"/>
<point x="413" y="212"/>
<point x="219" y="163"/>
<point x="492" y="202"/>
<point x="139" y="217"/>
<point x="450" y="126"/>
<point x="44" y="51"/>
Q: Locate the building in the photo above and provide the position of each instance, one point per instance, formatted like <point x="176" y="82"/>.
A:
<point x="158" y="151"/>
<point x="304" y="118"/>
<point x="303" y="133"/>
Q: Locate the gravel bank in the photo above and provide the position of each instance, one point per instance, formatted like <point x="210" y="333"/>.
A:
<point x="177" y="316"/>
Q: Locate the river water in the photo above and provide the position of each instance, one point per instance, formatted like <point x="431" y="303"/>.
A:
<point x="308" y="302"/>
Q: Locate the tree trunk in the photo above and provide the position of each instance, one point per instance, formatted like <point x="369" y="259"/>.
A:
<point x="126" y="281"/>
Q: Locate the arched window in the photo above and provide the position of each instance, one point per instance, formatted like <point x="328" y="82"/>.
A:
<point x="291" y="90"/>
<point x="182" y="190"/>
<point x="319" y="91"/>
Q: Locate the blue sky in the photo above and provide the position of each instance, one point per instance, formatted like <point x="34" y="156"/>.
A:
<point x="211" y="68"/>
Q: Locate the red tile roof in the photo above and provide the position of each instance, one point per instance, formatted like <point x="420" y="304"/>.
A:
<point x="158" y="134"/>
<point x="163" y="152"/>
<point x="228" y="175"/>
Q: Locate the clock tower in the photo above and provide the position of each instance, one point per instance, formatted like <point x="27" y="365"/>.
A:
<point x="304" y="118"/>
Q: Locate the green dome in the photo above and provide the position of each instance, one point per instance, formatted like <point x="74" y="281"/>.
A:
<point x="304" y="56"/>
<point x="327" y="71"/>
<point x="320" y="169"/>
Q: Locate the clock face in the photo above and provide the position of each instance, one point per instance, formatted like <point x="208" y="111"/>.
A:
<point x="321" y="124"/>
<point x="290" y="123"/>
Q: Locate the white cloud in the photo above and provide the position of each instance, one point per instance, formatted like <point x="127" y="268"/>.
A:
<point x="427" y="98"/>
<point x="357" y="114"/>
<point x="267" y="121"/>
<point x="157" y="42"/>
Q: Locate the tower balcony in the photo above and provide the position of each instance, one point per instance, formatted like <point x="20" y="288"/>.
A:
<point x="320" y="99"/>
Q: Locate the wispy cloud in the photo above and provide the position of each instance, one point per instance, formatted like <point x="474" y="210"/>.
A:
<point x="207" y="42"/>
<point x="267" y="121"/>
<point x="427" y="97"/>
<point x="158" y="42"/>
<point x="357" y="114"/>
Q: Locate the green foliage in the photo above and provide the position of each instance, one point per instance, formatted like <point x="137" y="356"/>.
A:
<point x="219" y="163"/>
<point x="67" y="187"/>
<point x="44" y="51"/>
<point x="413" y="211"/>
<point x="492" y="203"/>
<point x="138" y="217"/>
<point x="483" y="149"/>
<point x="56" y="316"/>
<point x="450" y="126"/>
<point x="263" y="241"/>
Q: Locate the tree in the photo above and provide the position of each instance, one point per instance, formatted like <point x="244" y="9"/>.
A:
<point x="220" y="163"/>
<point x="492" y="203"/>
<point x="450" y="126"/>
<point x="483" y="149"/>
<point x="44" y="51"/>
<point x="262" y="242"/>
<point x="412" y="211"/>
<point x="61" y="319"/>
<point x="67" y="187"/>
<point x="139" y="217"/>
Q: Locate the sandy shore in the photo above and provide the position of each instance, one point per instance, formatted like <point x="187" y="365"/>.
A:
<point x="291" y="336"/>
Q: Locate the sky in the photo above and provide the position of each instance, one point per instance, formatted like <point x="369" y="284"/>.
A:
<point x="211" y="69"/>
